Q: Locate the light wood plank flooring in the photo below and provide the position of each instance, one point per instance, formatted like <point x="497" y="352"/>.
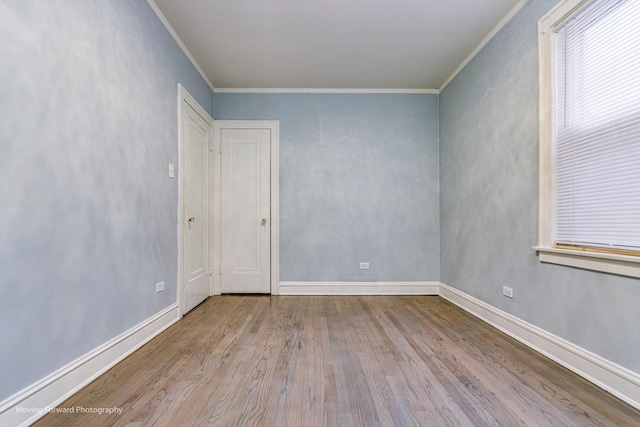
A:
<point x="339" y="361"/>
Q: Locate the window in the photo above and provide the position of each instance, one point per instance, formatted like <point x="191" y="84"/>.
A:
<point x="590" y="136"/>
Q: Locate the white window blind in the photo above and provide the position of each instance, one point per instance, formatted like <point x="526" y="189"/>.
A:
<point x="597" y="127"/>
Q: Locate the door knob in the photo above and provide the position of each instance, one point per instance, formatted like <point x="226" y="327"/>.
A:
<point x="191" y="219"/>
<point x="264" y="222"/>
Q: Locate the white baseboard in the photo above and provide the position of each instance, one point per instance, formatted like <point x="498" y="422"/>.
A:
<point x="359" y="288"/>
<point x="61" y="384"/>
<point x="617" y="380"/>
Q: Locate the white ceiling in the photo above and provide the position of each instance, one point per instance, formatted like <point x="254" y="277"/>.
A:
<point x="336" y="44"/>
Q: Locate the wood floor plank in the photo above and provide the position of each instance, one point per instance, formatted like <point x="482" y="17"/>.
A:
<point x="339" y="361"/>
<point x="433" y="387"/>
<point x="468" y="372"/>
<point x="546" y="381"/>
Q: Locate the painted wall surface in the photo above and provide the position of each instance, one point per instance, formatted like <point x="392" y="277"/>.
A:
<point x="88" y="214"/>
<point x="358" y="183"/>
<point x="489" y="204"/>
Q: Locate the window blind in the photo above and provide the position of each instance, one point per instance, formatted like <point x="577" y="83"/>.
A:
<point x="597" y="127"/>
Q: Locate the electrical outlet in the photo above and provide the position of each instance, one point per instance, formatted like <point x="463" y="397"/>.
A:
<point x="364" y="266"/>
<point x="159" y="287"/>
<point x="507" y="292"/>
<point x="172" y="171"/>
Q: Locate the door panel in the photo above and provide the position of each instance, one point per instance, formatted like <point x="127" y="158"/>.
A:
<point x="196" y="134"/>
<point x="246" y="219"/>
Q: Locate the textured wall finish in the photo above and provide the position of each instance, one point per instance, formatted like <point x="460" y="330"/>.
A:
<point x="358" y="183"/>
<point x="88" y="125"/>
<point x="489" y="204"/>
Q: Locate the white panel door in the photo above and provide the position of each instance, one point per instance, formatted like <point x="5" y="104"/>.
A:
<point x="245" y="209"/>
<point x="196" y="137"/>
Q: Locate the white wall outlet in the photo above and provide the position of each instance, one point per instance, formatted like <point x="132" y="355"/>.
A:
<point x="507" y="292"/>
<point x="159" y="287"/>
<point x="172" y="170"/>
<point x="364" y="266"/>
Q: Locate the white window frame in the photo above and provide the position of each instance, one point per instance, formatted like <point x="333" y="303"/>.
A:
<point x="625" y="265"/>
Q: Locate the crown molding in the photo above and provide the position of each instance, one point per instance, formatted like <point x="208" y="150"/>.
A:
<point x="315" y="90"/>
<point x="504" y="21"/>
<point x="177" y="39"/>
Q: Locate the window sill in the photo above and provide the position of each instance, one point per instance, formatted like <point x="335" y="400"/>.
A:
<point x="624" y="265"/>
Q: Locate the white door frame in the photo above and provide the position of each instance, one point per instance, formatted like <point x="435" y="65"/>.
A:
<point x="274" y="127"/>
<point x="184" y="95"/>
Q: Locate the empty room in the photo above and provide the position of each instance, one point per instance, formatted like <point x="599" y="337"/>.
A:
<point x="336" y="213"/>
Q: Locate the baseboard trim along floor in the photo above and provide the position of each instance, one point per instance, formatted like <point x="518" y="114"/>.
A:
<point x="58" y="386"/>
<point x="617" y="380"/>
<point x="359" y="288"/>
<point x="33" y="402"/>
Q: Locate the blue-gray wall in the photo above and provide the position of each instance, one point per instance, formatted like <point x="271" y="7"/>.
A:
<point x="489" y="204"/>
<point x="358" y="182"/>
<point x="88" y="214"/>
<point x="88" y="125"/>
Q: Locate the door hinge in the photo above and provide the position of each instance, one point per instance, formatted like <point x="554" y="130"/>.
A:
<point x="211" y="146"/>
<point x="220" y="148"/>
<point x="220" y="269"/>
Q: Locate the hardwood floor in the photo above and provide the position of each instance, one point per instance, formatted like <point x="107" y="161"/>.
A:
<point x="339" y="361"/>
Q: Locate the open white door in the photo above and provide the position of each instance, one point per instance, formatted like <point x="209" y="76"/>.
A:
<point x="195" y="144"/>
